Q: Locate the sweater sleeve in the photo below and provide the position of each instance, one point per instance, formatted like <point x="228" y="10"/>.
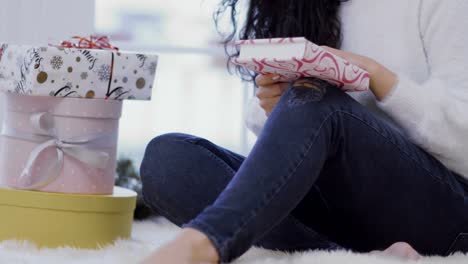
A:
<point x="434" y="113"/>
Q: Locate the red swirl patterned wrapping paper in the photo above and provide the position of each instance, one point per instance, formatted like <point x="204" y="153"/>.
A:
<point x="316" y="62"/>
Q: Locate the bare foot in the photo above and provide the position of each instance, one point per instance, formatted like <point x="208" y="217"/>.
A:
<point x="401" y="250"/>
<point x="190" y="247"/>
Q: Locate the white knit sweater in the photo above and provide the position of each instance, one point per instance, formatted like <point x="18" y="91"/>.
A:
<point x="426" y="43"/>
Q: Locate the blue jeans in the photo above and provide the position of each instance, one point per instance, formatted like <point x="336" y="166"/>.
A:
<point x="325" y="173"/>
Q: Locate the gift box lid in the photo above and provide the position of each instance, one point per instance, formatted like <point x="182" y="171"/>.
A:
<point x="77" y="72"/>
<point x="122" y="200"/>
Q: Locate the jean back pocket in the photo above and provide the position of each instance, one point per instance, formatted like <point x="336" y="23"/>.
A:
<point x="459" y="245"/>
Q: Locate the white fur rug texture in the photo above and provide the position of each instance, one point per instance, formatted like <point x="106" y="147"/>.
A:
<point x="148" y="235"/>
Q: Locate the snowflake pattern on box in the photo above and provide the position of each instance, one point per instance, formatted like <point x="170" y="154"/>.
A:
<point x="152" y="67"/>
<point x="18" y="89"/>
<point x="84" y="75"/>
<point x="56" y="62"/>
<point x="104" y="72"/>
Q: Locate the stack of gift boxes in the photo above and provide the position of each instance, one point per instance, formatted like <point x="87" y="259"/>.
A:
<point x="59" y="140"/>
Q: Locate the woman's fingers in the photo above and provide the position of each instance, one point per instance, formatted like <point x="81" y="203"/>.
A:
<point x="269" y="91"/>
<point x="267" y="104"/>
<point x="265" y="80"/>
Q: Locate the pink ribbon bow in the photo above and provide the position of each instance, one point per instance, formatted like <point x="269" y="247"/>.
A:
<point x="93" y="42"/>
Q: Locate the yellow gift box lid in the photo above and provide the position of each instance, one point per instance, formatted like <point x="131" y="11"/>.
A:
<point x="122" y="200"/>
<point x="57" y="219"/>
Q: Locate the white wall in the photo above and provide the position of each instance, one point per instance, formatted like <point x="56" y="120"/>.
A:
<point x="35" y="21"/>
<point x="41" y="21"/>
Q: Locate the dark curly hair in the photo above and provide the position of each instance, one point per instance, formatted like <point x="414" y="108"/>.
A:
<point x="317" y="20"/>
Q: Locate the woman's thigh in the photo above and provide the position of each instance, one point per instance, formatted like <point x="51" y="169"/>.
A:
<point x="381" y="188"/>
<point x="182" y="174"/>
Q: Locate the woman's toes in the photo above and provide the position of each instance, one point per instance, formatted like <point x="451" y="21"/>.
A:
<point x="402" y="250"/>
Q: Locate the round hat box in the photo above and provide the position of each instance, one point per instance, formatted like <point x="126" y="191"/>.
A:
<point x="58" y="219"/>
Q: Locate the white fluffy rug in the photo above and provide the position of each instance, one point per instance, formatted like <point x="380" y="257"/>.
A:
<point x="149" y="235"/>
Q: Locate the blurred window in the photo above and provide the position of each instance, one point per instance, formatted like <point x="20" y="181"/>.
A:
<point x="193" y="91"/>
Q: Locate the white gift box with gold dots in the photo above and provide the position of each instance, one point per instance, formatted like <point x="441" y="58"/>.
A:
<point x="79" y="73"/>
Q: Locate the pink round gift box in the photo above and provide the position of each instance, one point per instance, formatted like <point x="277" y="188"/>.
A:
<point x="72" y="117"/>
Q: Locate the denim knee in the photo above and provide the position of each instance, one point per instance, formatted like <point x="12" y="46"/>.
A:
<point x="160" y="156"/>
<point x="318" y="92"/>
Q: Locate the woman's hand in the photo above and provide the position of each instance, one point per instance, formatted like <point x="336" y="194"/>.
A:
<point x="269" y="91"/>
<point x="382" y="80"/>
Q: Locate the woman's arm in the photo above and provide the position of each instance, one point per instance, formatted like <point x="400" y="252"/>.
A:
<point x="382" y="80"/>
<point x="434" y="113"/>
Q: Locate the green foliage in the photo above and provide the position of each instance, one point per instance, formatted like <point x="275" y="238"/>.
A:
<point x="127" y="175"/>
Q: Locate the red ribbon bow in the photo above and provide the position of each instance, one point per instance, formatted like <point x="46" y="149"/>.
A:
<point x="93" y="42"/>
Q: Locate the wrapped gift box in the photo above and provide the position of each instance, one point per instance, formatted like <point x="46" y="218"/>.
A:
<point x="59" y="144"/>
<point x="62" y="110"/>
<point x="294" y="58"/>
<point x="72" y="72"/>
<point x="57" y="220"/>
